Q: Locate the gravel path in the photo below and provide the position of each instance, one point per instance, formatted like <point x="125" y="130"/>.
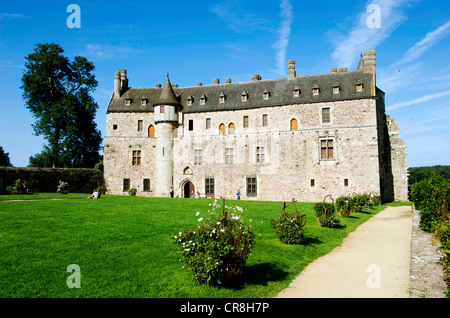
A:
<point x="427" y="275"/>
<point x="372" y="262"/>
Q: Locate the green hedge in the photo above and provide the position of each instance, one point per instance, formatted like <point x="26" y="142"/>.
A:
<point x="432" y="198"/>
<point x="47" y="179"/>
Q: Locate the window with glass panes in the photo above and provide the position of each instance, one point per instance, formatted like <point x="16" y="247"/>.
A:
<point x="209" y="186"/>
<point x="326" y="117"/>
<point x="251" y="186"/>
<point x="326" y="149"/>
<point x="259" y="154"/>
<point x="198" y="157"/>
<point x="229" y="155"/>
<point x="136" y="161"/>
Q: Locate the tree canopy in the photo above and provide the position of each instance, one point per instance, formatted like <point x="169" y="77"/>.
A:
<point x="4" y="158"/>
<point x="417" y="174"/>
<point x="57" y="92"/>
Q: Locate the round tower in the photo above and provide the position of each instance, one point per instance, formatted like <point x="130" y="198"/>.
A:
<point x="166" y="110"/>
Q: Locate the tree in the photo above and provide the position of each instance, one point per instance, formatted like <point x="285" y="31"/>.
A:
<point x="4" y="158"/>
<point x="57" y="92"/>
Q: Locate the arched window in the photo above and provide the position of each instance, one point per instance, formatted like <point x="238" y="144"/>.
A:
<point x="222" y="129"/>
<point x="294" y="125"/>
<point x="231" y="129"/>
<point x="151" y="131"/>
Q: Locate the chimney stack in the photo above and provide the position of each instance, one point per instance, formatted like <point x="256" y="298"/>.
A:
<point x="256" y="77"/>
<point x="369" y="67"/>
<point x="291" y="69"/>
<point x="333" y="70"/>
<point x="117" y="84"/>
<point x="120" y="82"/>
<point x="216" y="81"/>
<point x="369" y="61"/>
<point x="228" y="80"/>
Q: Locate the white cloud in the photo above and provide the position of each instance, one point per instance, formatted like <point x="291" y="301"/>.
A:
<point x="236" y="19"/>
<point x="283" y="40"/>
<point x="10" y="16"/>
<point x="102" y="52"/>
<point x="418" y="100"/>
<point x="428" y="41"/>
<point x="362" y="38"/>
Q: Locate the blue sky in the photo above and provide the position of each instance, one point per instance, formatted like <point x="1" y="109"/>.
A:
<point x="197" y="41"/>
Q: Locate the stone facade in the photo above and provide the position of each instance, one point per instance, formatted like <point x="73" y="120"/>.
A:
<point x="300" y="137"/>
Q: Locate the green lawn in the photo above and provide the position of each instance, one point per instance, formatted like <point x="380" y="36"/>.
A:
<point x="124" y="247"/>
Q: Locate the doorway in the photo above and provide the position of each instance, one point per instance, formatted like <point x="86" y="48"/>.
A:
<point x="188" y="189"/>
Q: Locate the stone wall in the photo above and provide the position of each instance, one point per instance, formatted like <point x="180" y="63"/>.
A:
<point x="291" y="158"/>
<point x="399" y="160"/>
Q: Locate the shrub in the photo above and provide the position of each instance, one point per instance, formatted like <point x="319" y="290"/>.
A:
<point x="432" y="198"/>
<point x="102" y="189"/>
<point x="63" y="187"/>
<point x="325" y="213"/>
<point x="132" y="192"/>
<point x="17" y="188"/>
<point x="218" y="246"/>
<point x="290" y="229"/>
<point x="343" y="206"/>
<point x="375" y="200"/>
<point x="359" y="202"/>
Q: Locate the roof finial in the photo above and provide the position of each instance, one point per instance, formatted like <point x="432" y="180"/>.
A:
<point x="167" y="74"/>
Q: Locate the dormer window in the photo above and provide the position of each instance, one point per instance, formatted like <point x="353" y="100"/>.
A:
<point x="143" y="100"/>
<point x="359" y="87"/>
<point x="296" y="91"/>
<point x="316" y="90"/>
<point x="266" y="94"/>
<point x="190" y="100"/>
<point x="128" y="100"/>
<point x="336" y="89"/>
<point x="203" y="99"/>
<point x="222" y="98"/>
<point x="244" y="96"/>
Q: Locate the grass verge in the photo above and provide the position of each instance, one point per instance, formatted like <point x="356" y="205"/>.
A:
<point x="124" y="247"/>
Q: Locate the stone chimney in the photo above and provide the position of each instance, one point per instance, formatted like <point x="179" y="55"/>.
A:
<point x="199" y="84"/>
<point x="369" y="67"/>
<point x="117" y="84"/>
<point x="256" y="77"/>
<point x="158" y="85"/>
<point x="369" y="61"/>
<point x="216" y="81"/>
<point x="333" y="70"/>
<point x="291" y="69"/>
<point x="343" y="69"/>
<point x="120" y="82"/>
<point x="123" y="80"/>
<point x="228" y="80"/>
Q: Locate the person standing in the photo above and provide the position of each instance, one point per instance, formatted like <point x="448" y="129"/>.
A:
<point x="238" y="194"/>
<point x="171" y="192"/>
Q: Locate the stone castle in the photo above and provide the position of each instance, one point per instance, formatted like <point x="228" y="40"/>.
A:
<point x="301" y="137"/>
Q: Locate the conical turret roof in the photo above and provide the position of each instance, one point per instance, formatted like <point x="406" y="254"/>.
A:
<point x="167" y="96"/>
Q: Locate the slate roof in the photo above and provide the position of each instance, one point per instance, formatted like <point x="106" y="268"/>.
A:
<point x="280" y="93"/>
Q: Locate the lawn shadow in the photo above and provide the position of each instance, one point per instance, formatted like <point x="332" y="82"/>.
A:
<point x="258" y="274"/>
<point x="311" y="241"/>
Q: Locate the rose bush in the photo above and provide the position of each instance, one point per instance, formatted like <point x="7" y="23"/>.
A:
<point x="218" y="246"/>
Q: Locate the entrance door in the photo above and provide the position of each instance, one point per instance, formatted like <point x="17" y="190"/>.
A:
<point x="188" y="188"/>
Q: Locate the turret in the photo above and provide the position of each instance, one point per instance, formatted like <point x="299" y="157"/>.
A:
<point x="166" y="110"/>
<point x="167" y="106"/>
